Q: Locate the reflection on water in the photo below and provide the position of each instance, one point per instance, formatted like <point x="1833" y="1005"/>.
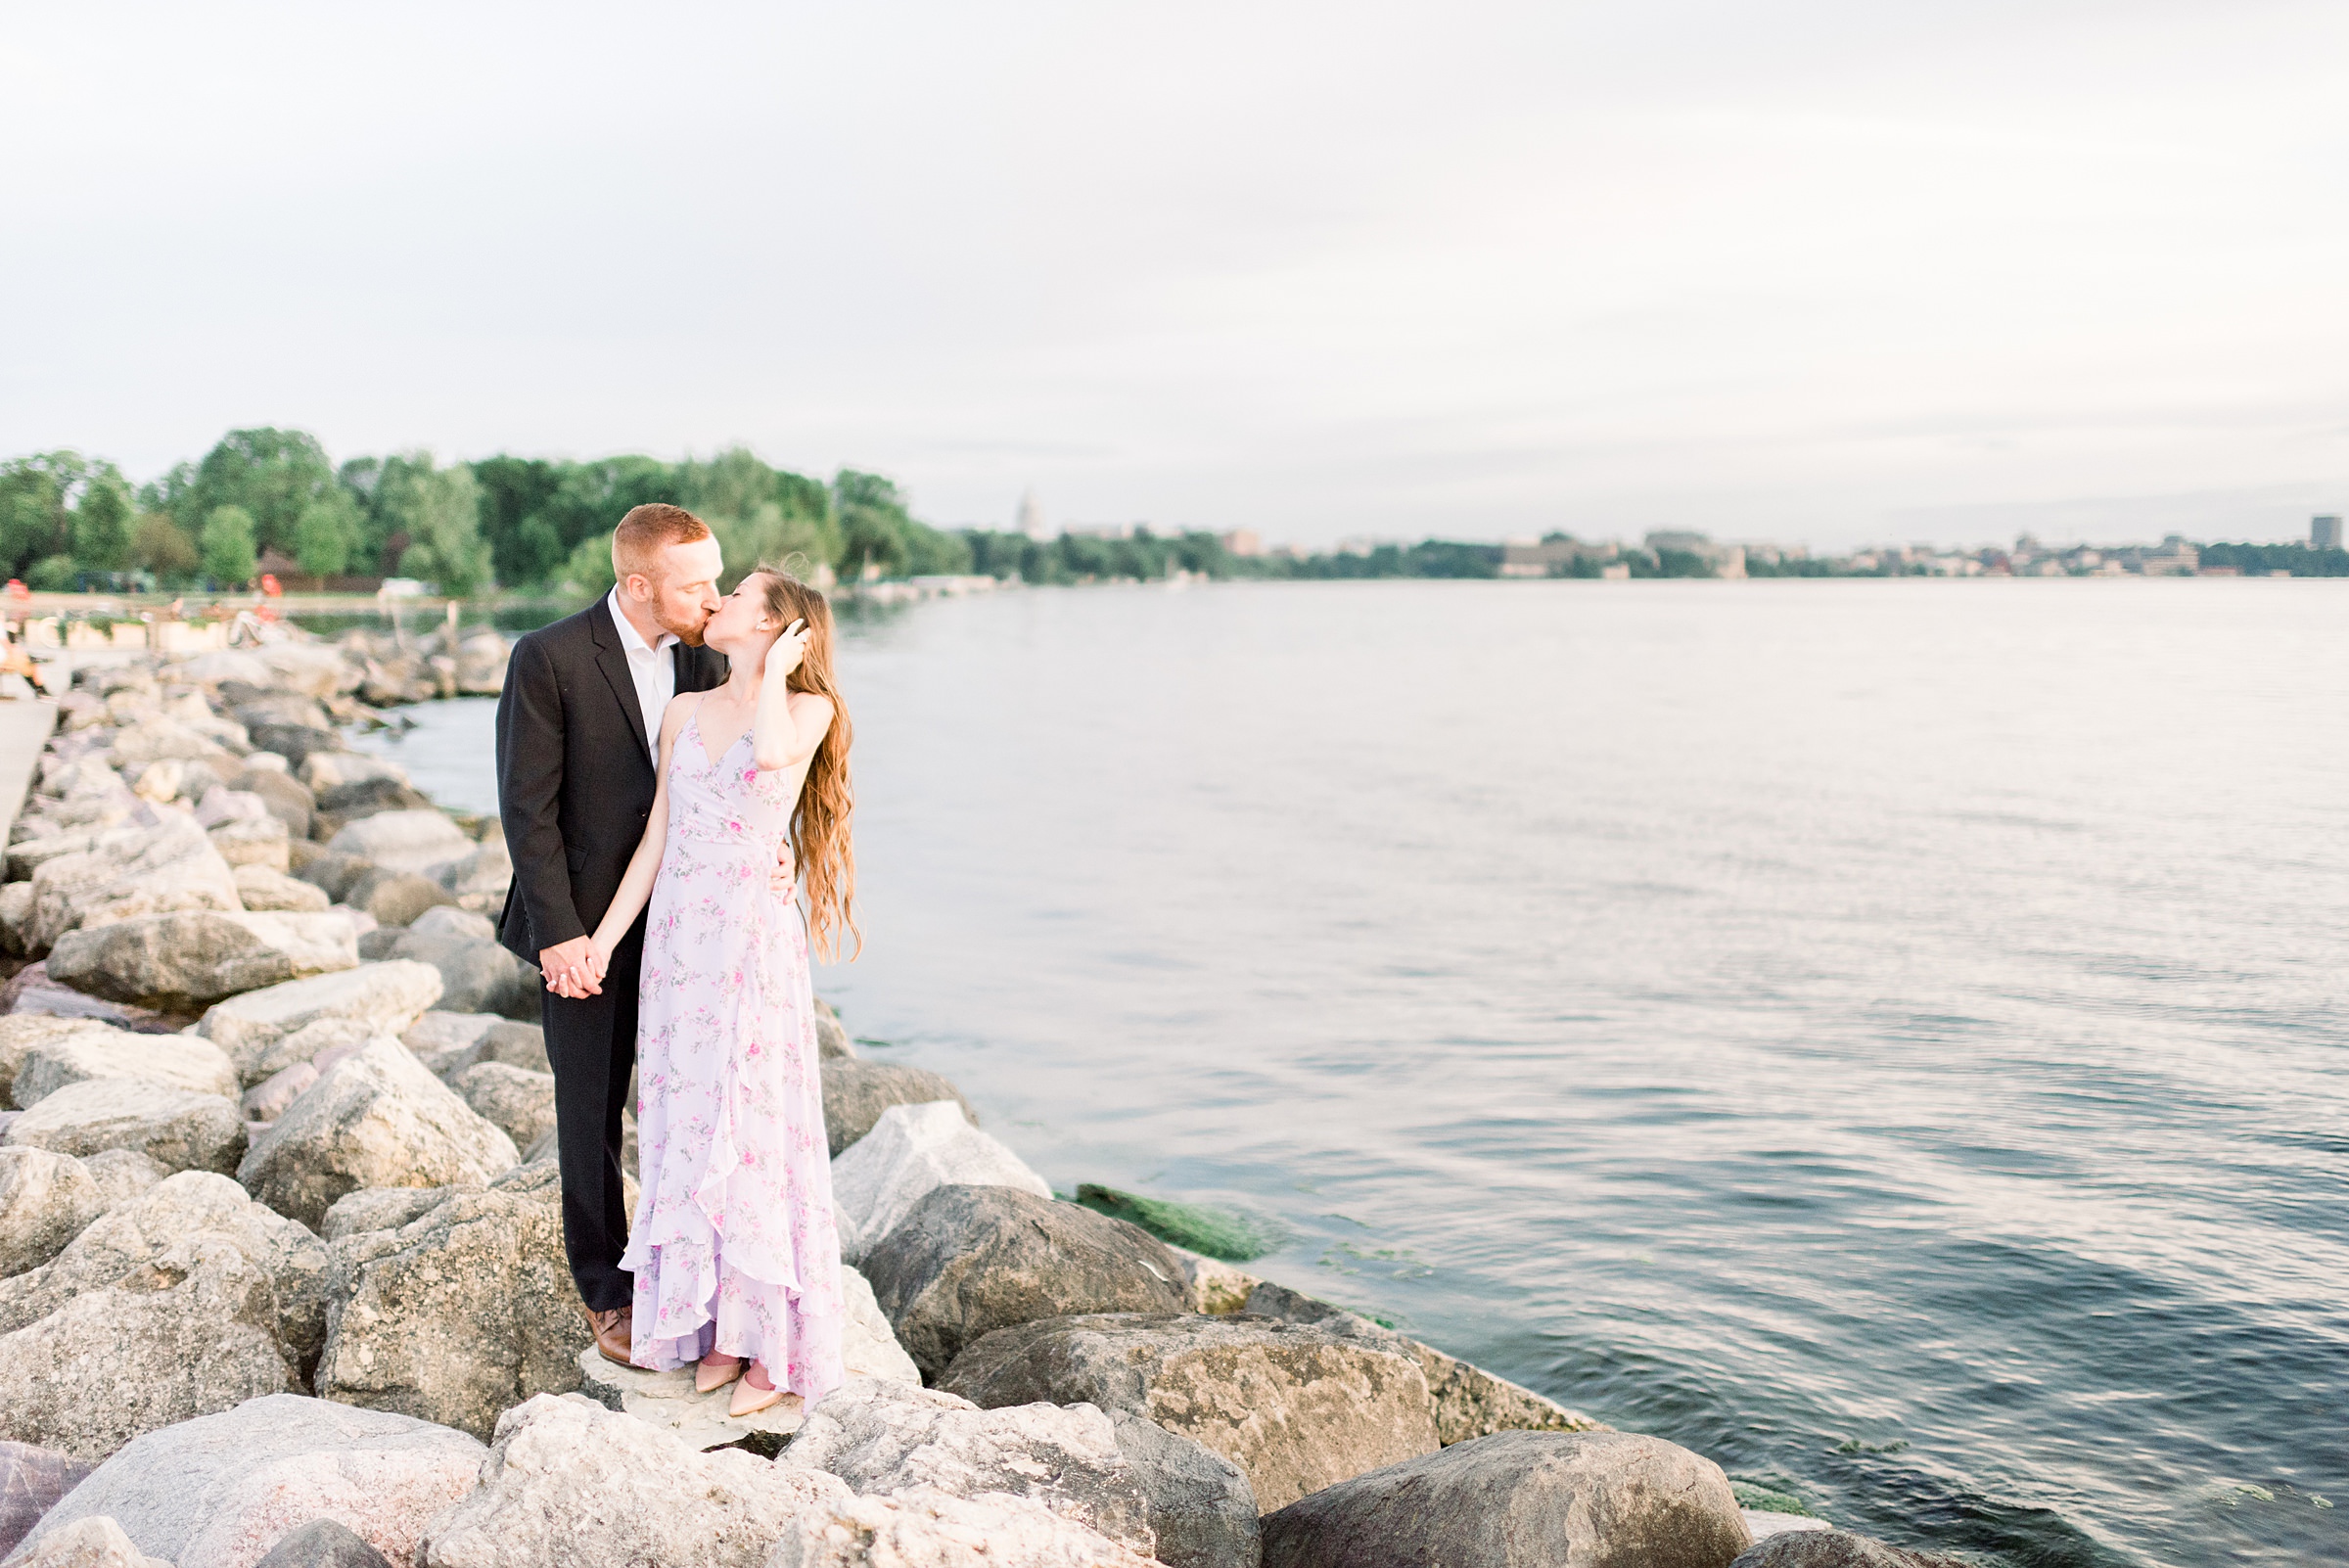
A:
<point x="1885" y="1035"/>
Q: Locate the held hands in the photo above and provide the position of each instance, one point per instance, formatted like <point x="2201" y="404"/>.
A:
<point x="575" y="968"/>
<point x="788" y="650"/>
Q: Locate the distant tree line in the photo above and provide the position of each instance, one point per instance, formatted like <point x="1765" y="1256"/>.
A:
<point x="67" y="522"/>
<point x="2299" y="560"/>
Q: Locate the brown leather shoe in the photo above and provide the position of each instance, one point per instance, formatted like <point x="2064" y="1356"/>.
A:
<point x="614" y="1331"/>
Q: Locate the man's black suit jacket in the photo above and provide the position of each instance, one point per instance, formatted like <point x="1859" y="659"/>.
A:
<point x="575" y="780"/>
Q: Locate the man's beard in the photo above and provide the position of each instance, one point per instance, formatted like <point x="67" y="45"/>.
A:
<point x="691" y="637"/>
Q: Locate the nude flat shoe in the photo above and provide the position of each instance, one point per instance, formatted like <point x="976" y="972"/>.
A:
<point x="708" y="1378"/>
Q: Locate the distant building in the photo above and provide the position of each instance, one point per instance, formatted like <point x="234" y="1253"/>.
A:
<point x="1032" y="518"/>
<point x="2324" y="533"/>
<point x="1243" y="542"/>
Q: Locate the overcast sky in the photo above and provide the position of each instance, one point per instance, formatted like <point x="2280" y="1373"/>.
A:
<point x="1823" y="272"/>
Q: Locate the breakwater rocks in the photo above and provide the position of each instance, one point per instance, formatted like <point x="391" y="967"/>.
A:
<point x="282" y="1276"/>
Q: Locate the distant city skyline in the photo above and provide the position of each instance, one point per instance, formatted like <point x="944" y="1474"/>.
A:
<point x="1818" y="273"/>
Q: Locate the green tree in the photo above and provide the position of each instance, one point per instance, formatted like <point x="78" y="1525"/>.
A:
<point x="323" y="537"/>
<point x="34" y="518"/>
<point x="873" y="523"/>
<point x="162" y="547"/>
<point x="439" y="513"/>
<point x="273" y="476"/>
<point x="102" y="523"/>
<point x="523" y="547"/>
<point x="54" y="574"/>
<point x="227" y="545"/>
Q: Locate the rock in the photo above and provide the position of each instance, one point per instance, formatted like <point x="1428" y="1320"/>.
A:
<point x="122" y="1174"/>
<point x="1839" y="1549"/>
<point x="460" y="1314"/>
<point x="893" y="1437"/>
<point x="966" y="1260"/>
<point x="482" y="664"/>
<point x="380" y="1209"/>
<point x="570" y="1482"/>
<point x="287" y="801"/>
<point x="446" y="920"/>
<point x="179" y="1130"/>
<point x="441" y="1032"/>
<point x="159" y="739"/>
<point x="1470" y="1402"/>
<point x="1217" y="1287"/>
<point x="931" y="1530"/>
<point x="832" y="1042"/>
<point x="32" y="1480"/>
<point x="254" y="705"/>
<point x="46" y="1200"/>
<point x="1296" y="1408"/>
<point x="1201" y="1507"/>
<point x="321" y="1043"/>
<point x="263" y="889"/>
<point x="476" y="975"/>
<point x="1565" y="1498"/>
<point x="403" y="841"/>
<point x="394" y="898"/>
<point x="856" y="1092"/>
<point x="324" y="1543"/>
<point x="178" y="1061"/>
<point x="375" y="1118"/>
<point x="867" y="1350"/>
<point x="1765" y="1523"/>
<point x="331" y="873"/>
<point x="130" y="871"/>
<point x="97" y="1542"/>
<point x="16" y="917"/>
<point x="387" y="997"/>
<point x="215" y="668"/>
<point x="478" y="881"/>
<point x="250" y="842"/>
<point x="160" y="781"/>
<point x="190" y="1331"/>
<point x="221" y="806"/>
<point x="328" y="770"/>
<point x="189" y="959"/>
<point x="520" y="1104"/>
<point x="131" y="1235"/>
<point x="268" y="1100"/>
<point x="220" y="1490"/>
<point x="515" y="1044"/>
<point x="32" y="994"/>
<point x="295" y="742"/>
<point x="877" y="1179"/>
<point x="345" y="803"/>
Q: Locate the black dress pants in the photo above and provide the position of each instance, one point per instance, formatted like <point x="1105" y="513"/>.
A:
<point x="592" y="1044"/>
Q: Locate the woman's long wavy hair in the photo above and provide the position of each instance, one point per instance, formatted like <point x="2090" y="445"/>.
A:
<point x="821" y="845"/>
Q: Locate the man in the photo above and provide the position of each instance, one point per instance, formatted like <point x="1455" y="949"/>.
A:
<point x="576" y="726"/>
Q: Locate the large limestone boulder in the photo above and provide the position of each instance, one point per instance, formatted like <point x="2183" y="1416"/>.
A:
<point x="476" y="973"/>
<point x="967" y="1261"/>
<point x="266" y="891"/>
<point x="285" y="798"/>
<point x="32" y="1480"/>
<point x="295" y="742"/>
<point x="177" y="1129"/>
<point x="1296" y="1408"/>
<point x="386" y="998"/>
<point x="518" y="1103"/>
<point x="1470" y="1402"/>
<point x="179" y="1061"/>
<point x="403" y="841"/>
<point x="889" y="1437"/>
<point x="131" y="1235"/>
<point x="190" y="1331"/>
<point x="1573" y="1498"/>
<point x="460" y="1040"/>
<point x="313" y="669"/>
<point x="857" y="1091"/>
<point x="46" y="1200"/>
<point x="161" y="739"/>
<point x="877" y="1179"/>
<point x="570" y="1482"/>
<point x="394" y="898"/>
<point x="122" y="1174"/>
<point x="323" y="1543"/>
<point x="16" y="917"/>
<point x="1840" y="1549"/>
<point x="97" y="1542"/>
<point x="1202" y="1508"/>
<point x="375" y="1118"/>
<point x="935" y="1530"/>
<point x="130" y="871"/>
<point x="382" y="1209"/>
<point x="220" y="1490"/>
<point x="460" y="1314"/>
<point x="329" y="770"/>
<point x="21" y="1031"/>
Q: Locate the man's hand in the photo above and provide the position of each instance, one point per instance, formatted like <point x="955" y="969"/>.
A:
<point x="571" y="969"/>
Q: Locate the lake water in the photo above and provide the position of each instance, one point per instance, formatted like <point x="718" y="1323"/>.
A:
<point x="1886" y="1035"/>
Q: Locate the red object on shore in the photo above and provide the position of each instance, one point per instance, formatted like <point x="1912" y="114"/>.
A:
<point x="17" y="589"/>
<point x="269" y="585"/>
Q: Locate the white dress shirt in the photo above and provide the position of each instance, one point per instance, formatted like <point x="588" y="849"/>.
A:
<point x="654" y="668"/>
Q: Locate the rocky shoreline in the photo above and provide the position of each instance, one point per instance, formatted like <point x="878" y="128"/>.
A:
<point x="282" y="1276"/>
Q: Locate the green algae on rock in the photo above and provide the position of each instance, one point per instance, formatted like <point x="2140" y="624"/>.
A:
<point x="1218" y="1232"/>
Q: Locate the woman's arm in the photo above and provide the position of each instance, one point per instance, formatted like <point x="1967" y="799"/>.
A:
<point x="787" y="726"/>
<point x="636" y="883"/>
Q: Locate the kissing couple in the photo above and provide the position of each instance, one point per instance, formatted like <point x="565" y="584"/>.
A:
<point x="671" y="761"/>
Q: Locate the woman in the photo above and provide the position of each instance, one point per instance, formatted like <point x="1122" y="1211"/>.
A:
<point x="733" y="1247"/>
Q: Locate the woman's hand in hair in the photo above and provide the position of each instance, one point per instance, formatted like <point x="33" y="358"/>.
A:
<point x="784" y="657"/>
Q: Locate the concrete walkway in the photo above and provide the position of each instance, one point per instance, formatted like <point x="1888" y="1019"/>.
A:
<point x="23" y="730"/>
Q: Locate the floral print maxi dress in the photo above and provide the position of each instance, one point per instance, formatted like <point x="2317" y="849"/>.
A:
<point x="733" y="1245"/>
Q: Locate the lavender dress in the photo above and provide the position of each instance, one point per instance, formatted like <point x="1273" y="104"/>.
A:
<point x="733" y="1245"/>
